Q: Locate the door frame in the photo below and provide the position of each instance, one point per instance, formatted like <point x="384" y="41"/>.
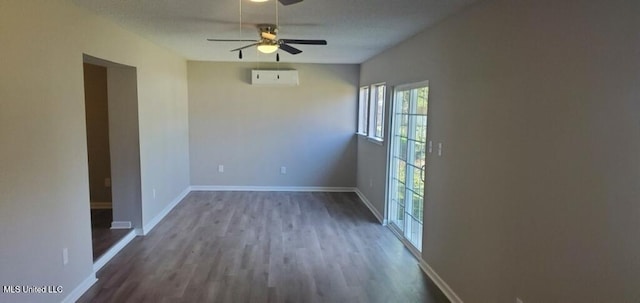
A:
<point x="390" y="133"/>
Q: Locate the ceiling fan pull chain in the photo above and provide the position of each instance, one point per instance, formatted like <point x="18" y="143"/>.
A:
<point x="240" y="27"/>
<point x="268" y="41"/>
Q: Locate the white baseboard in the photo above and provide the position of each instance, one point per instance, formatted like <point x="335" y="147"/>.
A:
<point x="373" y="210"/>
<point x="272" y="188"/>
<point x="114" y="250"/>
<point x="444" y="287"/>
<point x="89" y="281"/>
<point x="151" y="224"/>
<point x="121" y="225"/>
<point x="295" y="189"/>
<point x="101" y="205"/>
<point x="77" y="292"/>
<point x="412" y="249"/>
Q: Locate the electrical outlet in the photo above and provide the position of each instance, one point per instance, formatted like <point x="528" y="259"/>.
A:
<point x="220" y="168"/>
<point x="440" y="149"/>
<point x="518" y="300"/>
<point x="430" y="146"/>
<point x="65" y="256"/>
<point x="370" y="182"/>
<point x="283" y="170"/>
<point x="154" y="194"/>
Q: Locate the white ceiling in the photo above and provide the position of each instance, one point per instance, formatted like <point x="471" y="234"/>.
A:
<point x="355" y="30"/>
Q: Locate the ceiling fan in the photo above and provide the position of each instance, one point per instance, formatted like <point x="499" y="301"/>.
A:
<point x="269" y="43"/>
<point x="288" y="2"/>
<point x="283" y="2"/>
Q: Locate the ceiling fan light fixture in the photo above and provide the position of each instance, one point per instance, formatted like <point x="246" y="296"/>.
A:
<point x="268" y="35"/>
<point x="267" y="48"/>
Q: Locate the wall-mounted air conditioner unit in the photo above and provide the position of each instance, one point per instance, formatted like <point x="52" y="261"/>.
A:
<point x="274" y="77"/>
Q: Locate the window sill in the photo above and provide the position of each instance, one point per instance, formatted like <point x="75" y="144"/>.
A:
<point x="375" y="140"/>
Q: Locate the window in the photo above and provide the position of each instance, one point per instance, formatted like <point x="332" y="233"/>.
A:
<point x="378" y="94"/>
<point x="371" y="111"/>
<point x="407" y="162"/>
<point x="363" y="111"/>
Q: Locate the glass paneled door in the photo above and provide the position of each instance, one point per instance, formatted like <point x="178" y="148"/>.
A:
<point x="407" y="161"/>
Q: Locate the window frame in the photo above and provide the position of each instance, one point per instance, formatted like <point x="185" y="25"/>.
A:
<point x="376" y="111"/>
<point x="364" y="94"/>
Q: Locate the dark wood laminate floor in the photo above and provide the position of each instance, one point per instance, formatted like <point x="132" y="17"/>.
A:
<point x="102" y="236"/>
<point x="265" y="247"/>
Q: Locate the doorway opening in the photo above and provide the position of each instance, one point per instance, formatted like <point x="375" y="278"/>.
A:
<point x="407" y="163"/>
<point x="113" y="152"/>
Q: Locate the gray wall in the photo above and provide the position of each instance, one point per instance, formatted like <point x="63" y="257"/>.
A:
<point x="254" y="130"/>
<point x="125" y="144"/>
<point x="371" y="169"/>
<point x="44" y="188"/>
<point x="536" y="194"/>
<point x="113" y="144"/>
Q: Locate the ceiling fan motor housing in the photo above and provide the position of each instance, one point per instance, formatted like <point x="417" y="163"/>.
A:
<point x="269" y="43"/>
<point x="268" y="31"/>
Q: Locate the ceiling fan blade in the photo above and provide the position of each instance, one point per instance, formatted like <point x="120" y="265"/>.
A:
<point x="303" y="41"/>
<point x="247" y="46"/>
<point x="289" y="2"/>
<point x="230" y="40"/>
<point x="289" y="49"/>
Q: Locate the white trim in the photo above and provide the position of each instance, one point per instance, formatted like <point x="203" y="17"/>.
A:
<point x="411" y="86"/>
<point x="368" y="204"/>
<point x="373" y="111"/>
<point x="444" y="287"/>
<point x="272" y="188"/>
<point x="412" y="249"/>
<point x="101" y="205"/>
<point x="121" y="225"/>
<point x="375" y="140"/>
<point x="77" y="292"/>
<point x="363" y="97"/>
<point x="153" y="222"/>
<point x="113" y="251"/>
<point x="437" y="280"/>
<point x="388" y="156"/>
<point x="355" y="190"/>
